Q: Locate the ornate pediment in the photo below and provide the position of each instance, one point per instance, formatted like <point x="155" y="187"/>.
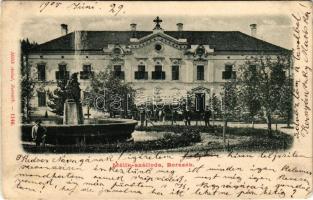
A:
<point x="63" y="63"/>
<point x="199" y="52"/>
<point x="116" y="50"/>
<point x="117" y="61"/>
<point x="200" y="89"/>
<point x="158" y="37"/>
<point x="176" y="61"/>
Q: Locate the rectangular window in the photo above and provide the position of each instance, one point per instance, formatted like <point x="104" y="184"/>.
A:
<point x="158" y="74"/>
<point x="87" y="68"/>
<point x="229" y="73"/>
<point x="117" y="68"/>
<point x="62" y="68"/>
<point x="158" y="68"/>
<point x="86" y="73"/>
<point x="200" y="72"/>
<point x="252" y="69"/>
<point x="141" y="74"/>
<point x="118" y="73"/>
<point x="41" y="72"/>
<point x="228" y="68"/>
<point x="175" y="72"/>
<point x="62" y="74"/>
<point x="200" y="101"/>
<point x="41" y="99"/>
<point x="141" y="68"/>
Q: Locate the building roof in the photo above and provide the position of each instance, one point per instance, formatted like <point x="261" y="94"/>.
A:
<point x="219" y="40"/>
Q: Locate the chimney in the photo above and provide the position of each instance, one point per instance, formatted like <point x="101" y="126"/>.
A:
<point x="253" y="30"/>
<point x="180" y="26"/>
<point x="63" y="29"/>
<point x="133" y="27"/>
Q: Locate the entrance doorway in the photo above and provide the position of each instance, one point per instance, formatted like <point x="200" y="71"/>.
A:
<point x="200" y="102"/>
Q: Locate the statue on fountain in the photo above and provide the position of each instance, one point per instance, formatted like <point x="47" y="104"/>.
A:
<point x="72" y="88"/>
<point x="73" y="112"/>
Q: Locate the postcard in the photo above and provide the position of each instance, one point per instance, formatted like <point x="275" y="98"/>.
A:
<point x="156" y="100"/>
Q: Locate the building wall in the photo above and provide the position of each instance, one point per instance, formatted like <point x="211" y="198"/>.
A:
<point x="214" y="65"/>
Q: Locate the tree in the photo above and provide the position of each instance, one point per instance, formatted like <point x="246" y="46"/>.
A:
<point x="248" y="94"/>
<point x="229" y="103"/>
<point x="27" y="81"/>
<point x="111" y="94"/>
<point x="215" y="105"/>
<point x="57" y="98"/>
<point x="285" y="106"/>
<point x="265" y="89"/>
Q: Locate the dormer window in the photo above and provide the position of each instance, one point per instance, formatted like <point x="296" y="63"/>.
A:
<point x="117" y="51"/>
<point x="200" y="50"/>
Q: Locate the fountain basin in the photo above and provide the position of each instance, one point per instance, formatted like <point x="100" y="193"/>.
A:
<point x="94" y="131"/>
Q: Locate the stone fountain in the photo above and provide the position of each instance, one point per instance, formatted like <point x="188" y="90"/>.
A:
<point x="73" y="128"/>
<point x="76" y="130"/>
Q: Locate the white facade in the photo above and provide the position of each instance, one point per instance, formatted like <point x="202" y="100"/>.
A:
<point x="155" y="49"/>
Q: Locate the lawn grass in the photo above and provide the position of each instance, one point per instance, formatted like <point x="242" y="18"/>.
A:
<point x="192" y="138"/>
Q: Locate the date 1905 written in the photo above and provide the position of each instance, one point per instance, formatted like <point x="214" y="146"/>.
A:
<point x="113" y="8"/>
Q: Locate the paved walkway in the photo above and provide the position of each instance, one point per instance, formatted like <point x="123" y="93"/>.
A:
<point x="280" y="127"/>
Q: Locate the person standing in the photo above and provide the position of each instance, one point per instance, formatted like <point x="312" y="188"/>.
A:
<point x="39" y="133"/>
<point x="161" y="116"/>
<point x="187" y="117"/>
<point x="206" y="117"/>
<point x="142" y="115"/>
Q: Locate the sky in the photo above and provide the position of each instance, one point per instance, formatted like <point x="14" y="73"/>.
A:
<point x="276" y="29"/>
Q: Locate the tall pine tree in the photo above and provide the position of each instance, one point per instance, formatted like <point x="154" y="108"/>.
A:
<point x="27" y="81"/>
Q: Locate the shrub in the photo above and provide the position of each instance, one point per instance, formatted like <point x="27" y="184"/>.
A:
<point x="180" y="140"/>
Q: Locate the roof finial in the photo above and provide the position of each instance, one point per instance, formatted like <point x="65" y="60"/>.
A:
<point x="157" y="21"/>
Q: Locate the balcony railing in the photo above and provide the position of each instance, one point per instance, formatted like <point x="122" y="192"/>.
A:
<point x="62" y="75"/>
<point x="141" y="75"/>
<point x="86" y="74"/>
<point x="158" y="75"/>
<point x="119" y="75"/>
<point x="229" y="75"/>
